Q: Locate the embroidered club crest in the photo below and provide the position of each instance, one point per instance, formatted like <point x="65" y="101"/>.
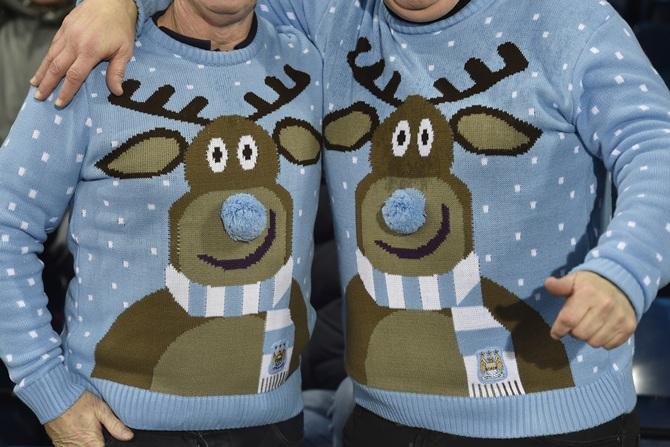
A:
<point x="491" y="365"/>
<point x="278" y="361"/>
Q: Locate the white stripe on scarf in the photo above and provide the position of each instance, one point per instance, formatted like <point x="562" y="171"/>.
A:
<point x="180" y="286"/>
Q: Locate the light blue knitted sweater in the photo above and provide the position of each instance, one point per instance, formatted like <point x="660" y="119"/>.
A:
<point x="468" y="161"/>
<point x="192" y="202"/>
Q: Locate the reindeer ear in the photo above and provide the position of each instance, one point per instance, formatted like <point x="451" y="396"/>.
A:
<point x="298" y="141"/>
<point x="349" y="129"/>
<point x="150" y="154"/>
<point x="487" y="131"/>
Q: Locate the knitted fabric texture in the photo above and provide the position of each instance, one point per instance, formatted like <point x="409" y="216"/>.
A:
<point x="508" y="117"/>
<point x="178" y="318"/>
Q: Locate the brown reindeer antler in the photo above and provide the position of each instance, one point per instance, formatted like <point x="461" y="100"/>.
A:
<point x="484" y="78"/>
<point x="286" y="94"/>
<point x="366" y="76"/>
<point x="155" y="105"/>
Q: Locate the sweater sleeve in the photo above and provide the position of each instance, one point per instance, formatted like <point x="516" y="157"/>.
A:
<point x="305" y="15"/>
<point x="146" y="9"/>
<point x="40" y="163"/>
<point x="622" y="113"/>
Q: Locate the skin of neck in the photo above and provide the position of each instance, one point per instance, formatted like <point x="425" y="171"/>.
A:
<point x="225" y="25"/>
<point x="421" y="11"/>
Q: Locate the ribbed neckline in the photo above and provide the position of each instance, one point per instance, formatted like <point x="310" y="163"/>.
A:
<point x="405" y="27"/>
<point x="207" y="57"/>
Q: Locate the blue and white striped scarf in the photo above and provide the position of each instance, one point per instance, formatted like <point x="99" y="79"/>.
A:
<point x="271" y="296"/>
<point x="480" y="337"/>
<point x="230" y="301"/>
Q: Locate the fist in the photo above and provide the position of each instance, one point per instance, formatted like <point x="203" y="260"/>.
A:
<point x="595" y="310"/>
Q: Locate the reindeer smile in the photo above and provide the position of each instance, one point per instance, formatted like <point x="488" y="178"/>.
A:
<point x="253" y="258"/>
<point x="428" y="248"/>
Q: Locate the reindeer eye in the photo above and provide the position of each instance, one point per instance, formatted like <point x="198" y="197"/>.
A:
<point x="247" y="152"/>
<point x="426" y="137"/>
<point x="217" y="155"/>
<point x="401" y="138"/>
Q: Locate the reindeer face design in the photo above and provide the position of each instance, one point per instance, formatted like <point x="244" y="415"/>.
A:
<point x="407" y="306"/>
<point x="231" y="159"/>
<point x="414" y="216"/>
<point x="234" y="226"/>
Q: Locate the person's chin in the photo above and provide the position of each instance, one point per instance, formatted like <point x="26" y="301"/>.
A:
<point x="417" y="12"/>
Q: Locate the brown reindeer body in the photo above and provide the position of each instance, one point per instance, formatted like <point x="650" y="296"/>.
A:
<point x="183" y="355"/>
<point x="419" y="344"/>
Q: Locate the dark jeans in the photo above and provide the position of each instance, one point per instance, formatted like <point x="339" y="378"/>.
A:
<point x="365" y="429"/>
<point x="283" y="434"/>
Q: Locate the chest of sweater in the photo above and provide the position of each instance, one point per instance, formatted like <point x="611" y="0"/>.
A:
<point x="437" y="151"/>
<point x="195" y="210"/>
<point x="527" y="185"/>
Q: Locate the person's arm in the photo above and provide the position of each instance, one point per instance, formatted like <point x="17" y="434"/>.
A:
<point x="622" y="112"/>
<point x="99" y="30"/>
<point x="40" y="165"/>
<point x="305" y="15"/>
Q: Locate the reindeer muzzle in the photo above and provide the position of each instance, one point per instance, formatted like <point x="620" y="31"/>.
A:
<point x="405" y="211"/>
<point x="244" y="217"/>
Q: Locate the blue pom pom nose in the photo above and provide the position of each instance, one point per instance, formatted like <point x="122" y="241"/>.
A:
<point x="405" y="211"/>
<point x="244" y="217"/>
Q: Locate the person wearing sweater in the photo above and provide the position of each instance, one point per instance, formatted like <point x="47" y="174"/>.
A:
<point x="490" y="299"/>
<point x="192" y="203"/>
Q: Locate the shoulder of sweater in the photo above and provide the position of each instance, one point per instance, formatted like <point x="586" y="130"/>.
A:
<point x="555" y="14"/>
<point x="572" y="22"/>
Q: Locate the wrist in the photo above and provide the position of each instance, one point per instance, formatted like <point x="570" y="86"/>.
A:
<point x="619" y="277"/>
<point x="131" y="9"/>
<point x="52" y="394"/>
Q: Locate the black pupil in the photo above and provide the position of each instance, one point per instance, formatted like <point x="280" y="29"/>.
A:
<point x="402" y="137"/>
<point x="217" y="155"/>
<point x="247" y="152"/>
<point x="425" y="137"/>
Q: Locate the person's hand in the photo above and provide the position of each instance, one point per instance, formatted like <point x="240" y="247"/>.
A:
<point x="95" y="30"/>
<point x="595" y="311"/>
<point x="82" y="424"/>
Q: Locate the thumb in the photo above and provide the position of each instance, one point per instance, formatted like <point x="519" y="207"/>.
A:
<point x="116" y="71"/>
<point x="560" y="286"/>
<point x="113" y="425"/>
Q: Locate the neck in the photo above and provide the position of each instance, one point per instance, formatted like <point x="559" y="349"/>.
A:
<point x="224" y="30"/>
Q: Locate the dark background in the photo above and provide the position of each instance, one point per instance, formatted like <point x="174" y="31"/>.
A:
<point x="323" y="366"/>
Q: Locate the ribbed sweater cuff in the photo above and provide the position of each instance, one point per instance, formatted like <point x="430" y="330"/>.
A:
<point x="51" y="395"/>
<point x="620" y="277"/>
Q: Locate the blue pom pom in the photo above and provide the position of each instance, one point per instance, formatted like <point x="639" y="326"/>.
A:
<point x="405" y="211"/>
<point x="244" y="217"/>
